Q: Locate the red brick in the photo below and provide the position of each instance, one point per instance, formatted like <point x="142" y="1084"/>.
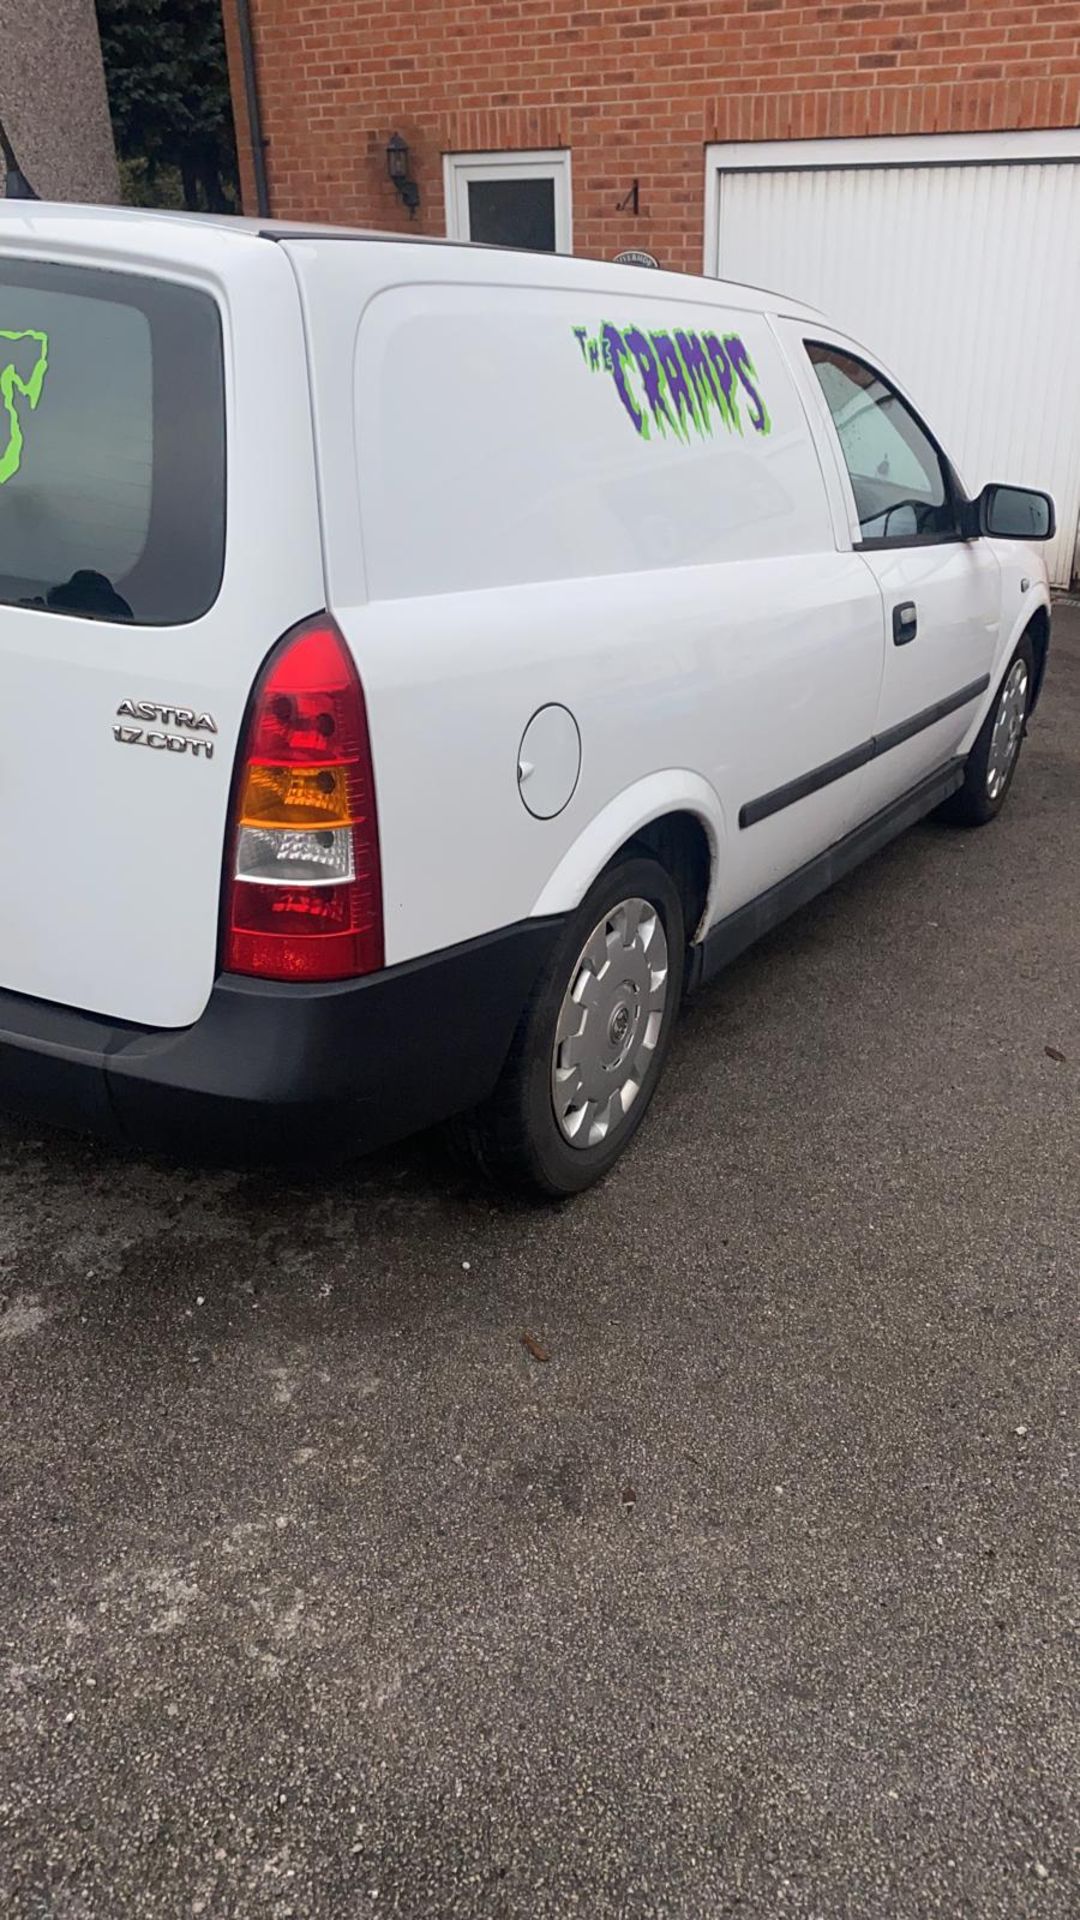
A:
<point x="631" y="89"/>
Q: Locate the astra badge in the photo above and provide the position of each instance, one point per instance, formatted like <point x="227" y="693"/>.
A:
<point x="155" y="736"/>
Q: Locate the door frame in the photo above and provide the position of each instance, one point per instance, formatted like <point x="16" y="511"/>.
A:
<point x="550" y="163"/>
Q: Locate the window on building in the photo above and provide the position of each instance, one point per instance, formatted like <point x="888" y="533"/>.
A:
<point x="898" y="477"/>
<point x="509" y="199"/>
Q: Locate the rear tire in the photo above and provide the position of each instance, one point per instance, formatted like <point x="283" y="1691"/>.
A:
<point x="993" y="759"/>
<point x="591" y="1045"/>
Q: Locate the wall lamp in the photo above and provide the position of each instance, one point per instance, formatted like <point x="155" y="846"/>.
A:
<point x="397" y="166"/>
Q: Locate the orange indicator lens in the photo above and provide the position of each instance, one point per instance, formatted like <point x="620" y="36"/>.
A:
<point x="295" y="797"/>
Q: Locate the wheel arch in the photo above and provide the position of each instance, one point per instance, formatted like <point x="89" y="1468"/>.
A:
<point x="680" y="843"/>
<point x="1033" y="622"/>
<point x="674" y="816"/>
<point x="1038" y="627"/>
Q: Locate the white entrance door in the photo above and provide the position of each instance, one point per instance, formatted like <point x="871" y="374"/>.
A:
<point x="952" y="256"/>
<point x="509" y="199"/>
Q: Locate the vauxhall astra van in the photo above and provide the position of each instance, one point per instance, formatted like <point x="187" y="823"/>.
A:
<point x="421" y="664"/>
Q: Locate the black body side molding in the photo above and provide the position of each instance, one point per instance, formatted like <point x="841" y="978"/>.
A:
<point x="730" y="937"/>
<point x="807" y="783"/>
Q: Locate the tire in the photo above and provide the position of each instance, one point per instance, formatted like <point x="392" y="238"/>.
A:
<point x="633" y="913"/>
<point x="993" y="759"/>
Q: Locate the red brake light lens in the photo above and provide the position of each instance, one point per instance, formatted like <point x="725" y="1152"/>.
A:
<point x="303" y="886"/>
<point x="309" y="708"/>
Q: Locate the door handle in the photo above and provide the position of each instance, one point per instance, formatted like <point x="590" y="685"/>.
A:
<point x="905" y="623"/>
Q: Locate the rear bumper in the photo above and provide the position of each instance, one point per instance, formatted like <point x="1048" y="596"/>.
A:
<point x="274" y="1071"/>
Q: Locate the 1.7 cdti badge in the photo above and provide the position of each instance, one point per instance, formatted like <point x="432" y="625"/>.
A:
<point x="155" y="737"/>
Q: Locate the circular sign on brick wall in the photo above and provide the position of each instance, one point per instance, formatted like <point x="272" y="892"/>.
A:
<point x="634" y="257"/>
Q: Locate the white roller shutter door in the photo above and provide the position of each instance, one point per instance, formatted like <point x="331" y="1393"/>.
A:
<point x="962" y="272"/>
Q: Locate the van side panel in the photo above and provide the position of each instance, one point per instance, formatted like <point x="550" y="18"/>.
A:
<point x="587" y="487"/>
<point x="508" y="435"/>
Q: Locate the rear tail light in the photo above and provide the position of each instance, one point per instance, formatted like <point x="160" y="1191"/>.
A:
<point x="303" y="891"/>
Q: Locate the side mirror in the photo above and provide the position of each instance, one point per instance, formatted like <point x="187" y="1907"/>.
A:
<point x="1016" y="513"/>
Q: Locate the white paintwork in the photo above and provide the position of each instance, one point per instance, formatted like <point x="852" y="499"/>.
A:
<point x="956" y="589"/>
<point x="111" y="856"/>
<point x="553" y="165"/>
<point x="523" y="545"/>
<point x="494" y="538"/>
<point x="552" y="484"/>
<point x="950" y="253"/>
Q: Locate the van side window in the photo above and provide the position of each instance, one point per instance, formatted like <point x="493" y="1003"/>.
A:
<point x="899" y="479"/>
<point x="112" y="444"/>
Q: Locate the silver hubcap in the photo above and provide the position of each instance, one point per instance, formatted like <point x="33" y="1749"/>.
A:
<point x="609" y="1023"/>
<point x="1008" y="729"/>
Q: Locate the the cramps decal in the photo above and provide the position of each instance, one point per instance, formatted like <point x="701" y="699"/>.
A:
<point x="14" y="386"/>
<point x="677" y="382"/>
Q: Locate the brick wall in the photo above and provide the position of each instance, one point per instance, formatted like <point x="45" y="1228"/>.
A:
<point x="634" y="91"/>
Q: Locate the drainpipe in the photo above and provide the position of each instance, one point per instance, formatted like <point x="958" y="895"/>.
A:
<point x="254" y="113"/>
<point x="16" y="184"/>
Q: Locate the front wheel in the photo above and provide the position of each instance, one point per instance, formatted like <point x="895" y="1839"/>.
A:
<point x="991" y="763"/>
<point x="590" y="1048"/>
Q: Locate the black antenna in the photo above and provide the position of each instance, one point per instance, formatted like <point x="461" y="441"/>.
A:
<point x="16" y="184"/>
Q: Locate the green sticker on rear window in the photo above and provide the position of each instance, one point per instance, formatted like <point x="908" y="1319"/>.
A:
<point x="16" y="387"/>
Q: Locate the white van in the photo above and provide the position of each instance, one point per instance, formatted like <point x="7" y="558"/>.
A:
<point x="422" y="662"/>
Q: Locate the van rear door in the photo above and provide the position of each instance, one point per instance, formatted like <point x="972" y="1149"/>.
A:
<point x="158" y="532"/>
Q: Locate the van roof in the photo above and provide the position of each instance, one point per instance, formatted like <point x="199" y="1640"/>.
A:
<point x="160" y="234"/>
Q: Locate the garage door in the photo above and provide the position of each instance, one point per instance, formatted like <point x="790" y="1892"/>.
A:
<point x="956" y="258"/>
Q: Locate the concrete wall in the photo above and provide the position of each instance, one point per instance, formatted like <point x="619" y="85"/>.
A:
<point x="52" y="99"/>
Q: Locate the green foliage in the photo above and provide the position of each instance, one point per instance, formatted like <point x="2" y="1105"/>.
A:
<point x="140" y="188"/>
<point x="168" y="84"/>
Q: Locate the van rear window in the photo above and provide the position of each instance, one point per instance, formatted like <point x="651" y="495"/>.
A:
<point x="112" y="445"/>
